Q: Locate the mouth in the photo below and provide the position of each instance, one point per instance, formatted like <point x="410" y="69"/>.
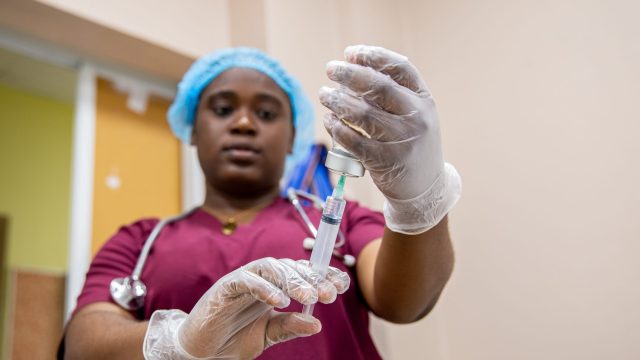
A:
<point x="241" y="153"/>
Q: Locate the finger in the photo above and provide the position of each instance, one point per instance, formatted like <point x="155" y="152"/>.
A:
<point x="339" y="279"/>
<point x="345" y="136"/>
<point x="245" y="282"/>
<point x="285" y="278"/>
<point x="375" y="87"/>
<point x="375" y="122"/>
<point x="387" y="62"/>
<point x="327" y="292"/>
<point x="288" y="326"/>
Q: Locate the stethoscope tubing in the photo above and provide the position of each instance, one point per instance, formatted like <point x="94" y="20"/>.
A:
<point x="296" y="204"/>
<point x="142" y="259"/>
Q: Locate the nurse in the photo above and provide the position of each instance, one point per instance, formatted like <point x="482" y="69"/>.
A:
<point x="226" y="281"/>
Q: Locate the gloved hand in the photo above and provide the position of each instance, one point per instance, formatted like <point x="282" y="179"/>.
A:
<point x="385" y="115"/>
<point x="235" y="317"/>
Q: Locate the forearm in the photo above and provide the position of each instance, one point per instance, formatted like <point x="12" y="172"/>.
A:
<point x="410" y="273"/>
<point x="104" y="335"/>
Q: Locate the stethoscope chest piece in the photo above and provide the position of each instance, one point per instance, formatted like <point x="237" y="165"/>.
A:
<point x="128" y="292"/>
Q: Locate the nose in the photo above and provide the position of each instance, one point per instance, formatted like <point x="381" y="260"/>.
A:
<point x="243" y="125"/>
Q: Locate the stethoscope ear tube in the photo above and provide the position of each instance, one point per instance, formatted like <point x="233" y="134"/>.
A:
<point x="293" y="197"/>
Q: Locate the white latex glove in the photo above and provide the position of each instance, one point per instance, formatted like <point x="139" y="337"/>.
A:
<point x="383" y="94"/>
<point x="235" y="319"/>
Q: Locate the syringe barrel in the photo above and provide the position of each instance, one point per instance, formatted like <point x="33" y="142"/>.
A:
<point x="327" y="234"/>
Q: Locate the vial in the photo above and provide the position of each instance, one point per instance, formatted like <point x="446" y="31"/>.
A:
<point x="341" y="161"/>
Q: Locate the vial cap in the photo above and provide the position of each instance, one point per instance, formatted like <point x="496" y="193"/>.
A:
<point x="343" y="163"/>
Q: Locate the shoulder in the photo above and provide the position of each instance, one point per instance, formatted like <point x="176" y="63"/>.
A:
<point x="354" y="211"/>
<point x="362" y="226"/>
<point x="129" y="238"/>
<point x="137" y="229"/>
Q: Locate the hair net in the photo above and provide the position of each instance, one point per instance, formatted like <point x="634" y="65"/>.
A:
<point x="181" y="114"/>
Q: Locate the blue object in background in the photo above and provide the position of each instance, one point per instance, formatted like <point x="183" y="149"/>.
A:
<point x="310" y="174"/>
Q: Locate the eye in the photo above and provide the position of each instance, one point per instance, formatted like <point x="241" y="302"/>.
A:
<point x="222" y="110"/>
<point x="266" y="114"/>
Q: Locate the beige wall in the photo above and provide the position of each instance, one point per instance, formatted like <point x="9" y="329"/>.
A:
<point x="190" y="27"/>
<point x="536" y="103"/>
<point x="538" y="111"/>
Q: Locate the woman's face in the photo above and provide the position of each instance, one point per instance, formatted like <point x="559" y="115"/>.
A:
<point x="243" y="132"/>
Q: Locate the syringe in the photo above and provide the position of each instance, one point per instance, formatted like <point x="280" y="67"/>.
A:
<point x="327" y="233"/>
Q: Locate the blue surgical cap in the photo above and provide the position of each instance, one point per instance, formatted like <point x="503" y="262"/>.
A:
<point x="181" y="114"/>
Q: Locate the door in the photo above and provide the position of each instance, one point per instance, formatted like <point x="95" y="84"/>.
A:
<point x="137" y="163"/>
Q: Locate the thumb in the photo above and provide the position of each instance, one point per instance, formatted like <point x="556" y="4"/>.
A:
<point x="288" y="326"/>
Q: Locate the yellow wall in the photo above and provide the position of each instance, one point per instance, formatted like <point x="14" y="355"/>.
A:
<point x="141" y="158"/>
<point x="35" y="160"/>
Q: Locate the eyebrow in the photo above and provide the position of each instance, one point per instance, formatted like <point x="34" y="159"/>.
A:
<point x="223" y="93"/>
<point x="269" y="98"/>
<point x="231" y="94"/>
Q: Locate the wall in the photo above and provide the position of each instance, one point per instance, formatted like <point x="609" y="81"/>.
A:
<point x="35" y="153"/>
<point x="538" y="106"/>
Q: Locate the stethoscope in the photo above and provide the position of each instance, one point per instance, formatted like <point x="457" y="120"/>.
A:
<point x="129" y="292"/>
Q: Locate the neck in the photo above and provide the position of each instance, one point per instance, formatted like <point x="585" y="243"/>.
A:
<point x="219" y="202"/>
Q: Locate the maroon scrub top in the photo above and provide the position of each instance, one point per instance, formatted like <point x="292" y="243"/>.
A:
<point x="191" y="254"/>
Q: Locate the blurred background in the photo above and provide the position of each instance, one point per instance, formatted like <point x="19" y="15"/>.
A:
<point x="538" y="102"/>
